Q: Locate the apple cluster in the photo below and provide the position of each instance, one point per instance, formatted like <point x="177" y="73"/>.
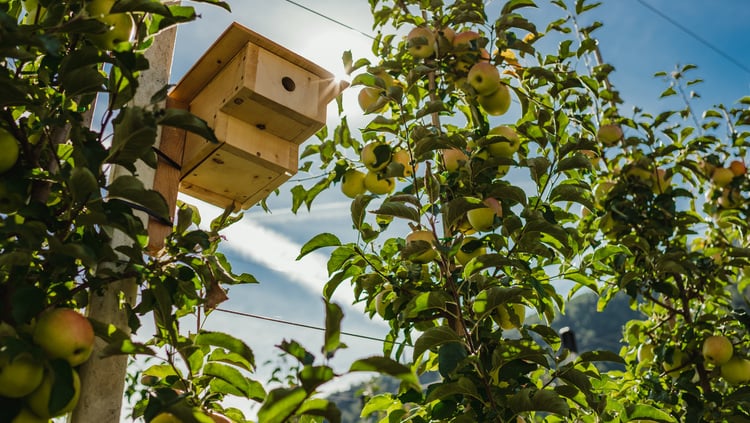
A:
<point x="717" y="353"/>
<point x="37" y="359"/>
<point x="383" y="164"/>
<point x="725" y="183"/>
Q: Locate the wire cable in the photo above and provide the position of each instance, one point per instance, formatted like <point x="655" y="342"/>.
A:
<point x="695" y="36"/>
<point x="306" y="326"/>
<point x="315" y="12"/>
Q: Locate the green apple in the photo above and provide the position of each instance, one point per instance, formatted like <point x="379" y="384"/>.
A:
<point x="676" y="363"/>
<point x="371" y="100"/>
<point x="453" y="159"/>
<point x="722" y="176"/>
<point x="9" y="151"/>
<point x="120" y="31"/>
<point x="470" y="247"/>
<point x="646" y="353"/>
<point x="353" y="183"/>
<point x="504" y="148"/>
<point x="403" y="159"/>
<point x="427" y="236"/>
<point x="421" y="42"/>
<point x="378" y="184"/>
<point x="484" y="78"/>
<point x="498" y="102"/>
<point x="482" y="219"/>
<point x="99" y="8"/>
<point x="65" y="333"/>
<point x="39" y="400"/>
<point x="510" y="317"/>
<point x="717" y="349"/>
<point x="609" y="134"/>
<point x="26" y="416"/>
<point x="20" y="375"/>
<point x="376" y="155"/>
<point x="736" y="370"/>
<point x="166" y="418"/>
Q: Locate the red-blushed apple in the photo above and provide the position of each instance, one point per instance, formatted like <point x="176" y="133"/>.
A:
<point x="428" y="237"/>
<point x="10" y="151"/>
<point x="453" y="159"/>
<point x="421" y="42"/>
<point x="738" y="167"/>
<point x="470" y="247"/>
<point x="609" y="134"/>
<point x="353" y="183"/>
<point x="484" y="78"/>
<point x="463" y="40"/>
<point x="736" y="371"/>
<point x="379" y="184"/>
<point x="39" y="400"/>
<point x="717" y="350"/>
<point x="65" y="333"/>
<point x="376" y="155"/>
<point x="20" y="375"/>
<point x="507" y="143"/>
<point x="498" y="102"/>
<point x="722" y="176"/>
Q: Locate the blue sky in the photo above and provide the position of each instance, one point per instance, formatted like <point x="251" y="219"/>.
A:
<point x="634" y="39"/>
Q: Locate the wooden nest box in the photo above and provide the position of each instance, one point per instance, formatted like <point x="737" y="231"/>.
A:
<point x="262" y="101"/>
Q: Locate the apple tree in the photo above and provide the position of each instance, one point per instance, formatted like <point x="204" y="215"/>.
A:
<point x="495" y="166"/>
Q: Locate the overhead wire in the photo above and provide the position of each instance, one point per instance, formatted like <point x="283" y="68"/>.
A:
<point x="306" y="326"/>
<point x="694" y="35"/>
<point x="315" y="12"/>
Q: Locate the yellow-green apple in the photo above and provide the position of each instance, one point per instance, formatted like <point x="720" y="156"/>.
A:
<point x="381" y="302"/>
<point x="646" y="353"/>
<point x="353" y="183"/>
<point x="376" y="155"/>
<point x="403" y="158"/>
<point x="470" y="247"/>
<point x="730" y="198"/>
<point x="421" y="42"/>
<point x="39" y="400"/>
<point x="34" y="13"/>
<point x="507" y="145"/>
<point x="99" y="8"/>
<point x="482" y="218"/>
<point x="508" y="321"/>
<point x="736" y="370"/>
<point x="738" y="167"/>
<point x="722" y="176"/>
<point x="675" y="364"/>
<point x="19" y="375"/>
<point x="65" y="333"/>
<point x="502" y="170"/>
<point x="166" y="418"/>
<point x="378" y="184"/>
<point x="717" y="349"/>
<point x="10" y="150"/>
<point x="219" y="418"/>
<point x="453" y="159"/>
<point x="423" y="235"/>
<point x="120" y="31"/>
<point x="609" y="134"/>
<point x="26" y="416"/>
<point x="498" y="102"/>
<point x="371" y="100"/>
<point x="484" y="78"/>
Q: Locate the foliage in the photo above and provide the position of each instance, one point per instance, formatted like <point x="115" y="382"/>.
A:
<point x="645" y="214"/>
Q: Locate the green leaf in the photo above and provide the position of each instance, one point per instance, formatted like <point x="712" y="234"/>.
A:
<point x="334" y="315"/>
<point x="83" y="185"/>
<point x="645" y="411"/>
<point x="227" y="342"/>
<point x="280" y="404"/>
<point x="313" y="376"/>
<point x="398" y="209"/>
<point x="512" y="5"/>
<point x="131" y="188"/>
<point x="230" y="375"/>
<point x="183" y="119"/>
<point x="426" y="301"/>
<point x="434" y="337"/>
<point x="450" y="355"/>
<point x="297" y="351"/>
<point x="319" y="241"/>
<point x="539" y="400"/>
<point x="387" y="366"/>
<point x="147" y="6"/>
<point x="84" y="80"/>
<point x="134" y="135"/>
<point x="63" y="390"/>
<point x="602" y="355"/>
<point x="320" y="407"/>
<point x="462" y="387"/>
